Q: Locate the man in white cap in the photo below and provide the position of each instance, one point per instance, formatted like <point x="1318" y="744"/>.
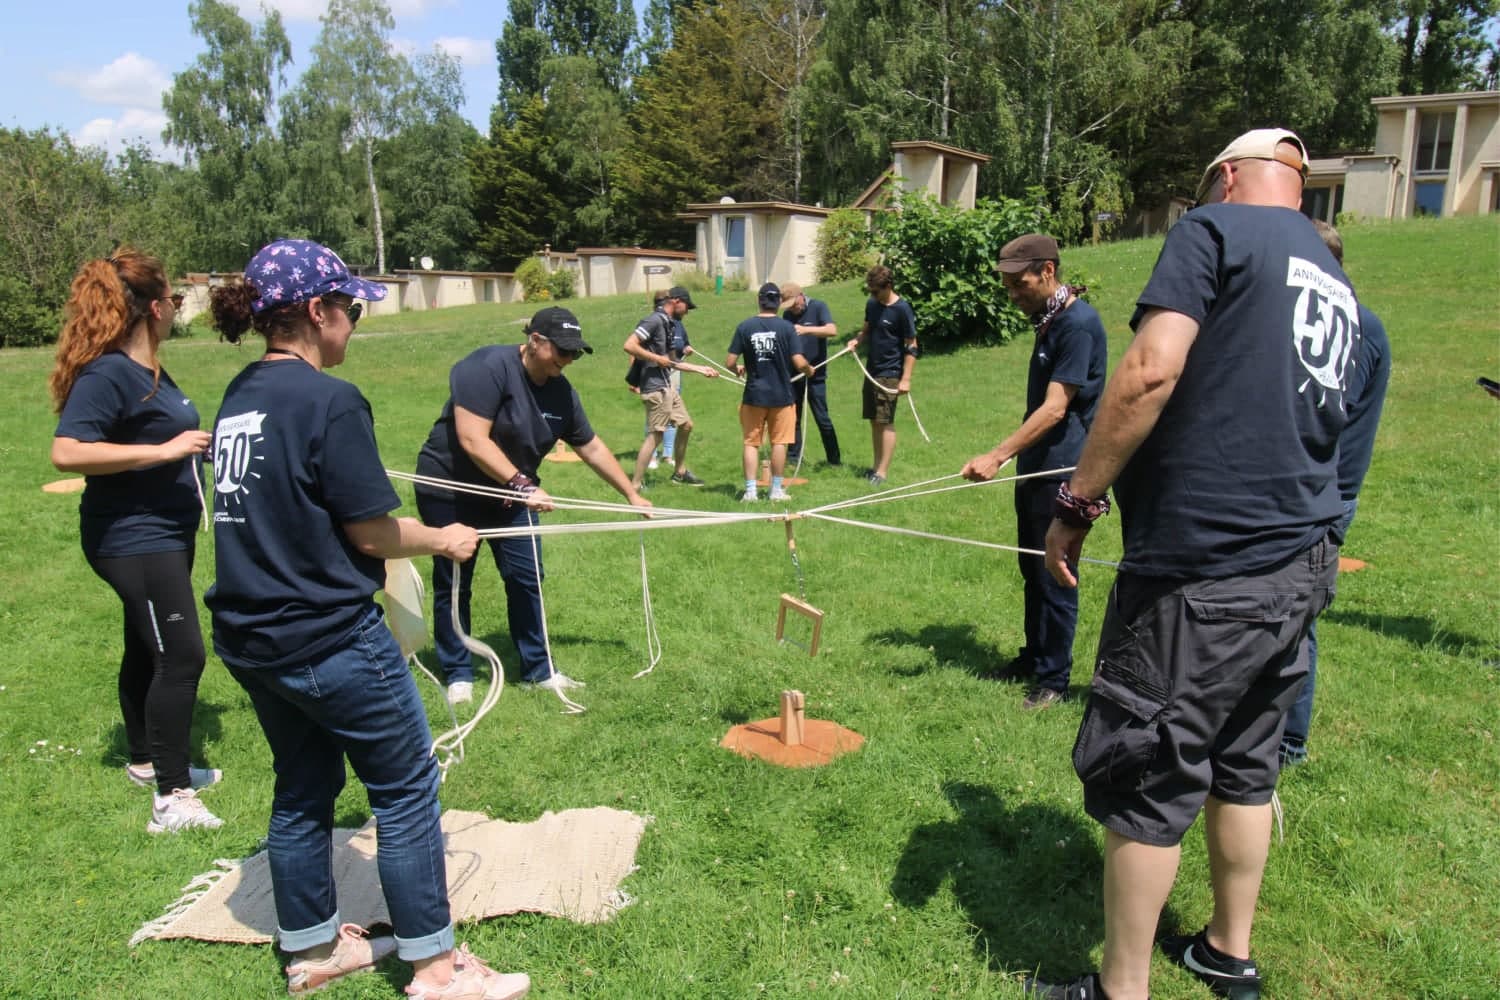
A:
<point x="1219" y="433"/>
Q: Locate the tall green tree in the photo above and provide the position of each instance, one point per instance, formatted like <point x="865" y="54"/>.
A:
<point x="1446" y="45"/>
<point x="514" y="209"/>
<point x="585" y="137"/>
<point x="356" y="72"/>
<point x="221" y="114"/>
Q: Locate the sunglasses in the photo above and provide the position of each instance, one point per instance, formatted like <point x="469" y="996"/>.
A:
<point x="571" y="355"/>
<point x="176" y="300"/>
<point x="354" y="310"/>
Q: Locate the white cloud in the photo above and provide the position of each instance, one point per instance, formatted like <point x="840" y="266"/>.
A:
<point x="131" y="81"/>
<point x="473" y="53"/>
<point x="113" y="134"/>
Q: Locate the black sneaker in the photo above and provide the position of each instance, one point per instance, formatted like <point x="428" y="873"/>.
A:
<point x="1083" y="988"/>
<point x="686" y="478"/>
<point x="1227" y="976"/>
<point x="1019" y="669"/>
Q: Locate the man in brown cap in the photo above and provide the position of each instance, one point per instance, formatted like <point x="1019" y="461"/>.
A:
<point x="1066" y="376"/>
<point x="651" y="345"/>
<point x="1219" y="434"/>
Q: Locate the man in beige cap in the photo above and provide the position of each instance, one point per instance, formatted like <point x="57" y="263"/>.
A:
<point x="1219" y="434"/>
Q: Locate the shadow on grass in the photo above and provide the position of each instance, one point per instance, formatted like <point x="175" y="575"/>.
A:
<point x="207" y="730"/>
<point x="951" y="645"/>
<point x="1028" y="878"/>
<point x="1420" y="632"/>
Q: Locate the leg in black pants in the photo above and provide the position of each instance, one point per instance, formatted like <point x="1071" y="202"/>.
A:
<point x="163" y="658"/>
<point x="816" y="395"/>
<point x="1051" y="608"/>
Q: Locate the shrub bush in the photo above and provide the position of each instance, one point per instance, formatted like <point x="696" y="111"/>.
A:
<point x="24" y="321"/>
<point x="533" y="276"/>
<point x="944" y="261"/>
<point x="842" y="249"/>
<point x="560" y="283"/>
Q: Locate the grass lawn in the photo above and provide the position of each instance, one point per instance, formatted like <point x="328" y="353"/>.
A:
<point x="948" y="857"/>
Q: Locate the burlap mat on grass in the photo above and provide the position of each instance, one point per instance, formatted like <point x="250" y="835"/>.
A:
<point x="568" y="864"/>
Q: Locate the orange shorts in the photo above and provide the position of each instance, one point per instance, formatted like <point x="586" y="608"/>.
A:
<point x="779" y="421"/>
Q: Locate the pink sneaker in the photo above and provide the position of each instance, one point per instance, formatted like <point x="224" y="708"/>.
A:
<point x="354" y="951"/>
<point x="474" y="980"/>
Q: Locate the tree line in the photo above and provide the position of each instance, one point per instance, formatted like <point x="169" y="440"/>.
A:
<point x="603" y="128"/>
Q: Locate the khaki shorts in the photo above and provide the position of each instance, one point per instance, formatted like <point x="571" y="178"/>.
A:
<point x="664" y="408"/>
<point x="780" y="421"/>
<point x="879" y="406"/>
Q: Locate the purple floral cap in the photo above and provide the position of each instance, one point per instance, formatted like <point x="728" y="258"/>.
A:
<point x="297" y="270"/>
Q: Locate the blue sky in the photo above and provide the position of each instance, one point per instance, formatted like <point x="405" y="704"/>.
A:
<point x="96" y="69"/>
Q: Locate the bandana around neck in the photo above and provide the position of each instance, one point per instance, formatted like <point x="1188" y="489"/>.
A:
<point x="1055" y="303"/>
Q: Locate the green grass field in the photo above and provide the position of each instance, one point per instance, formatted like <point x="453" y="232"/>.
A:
<point x="947" y="858"/>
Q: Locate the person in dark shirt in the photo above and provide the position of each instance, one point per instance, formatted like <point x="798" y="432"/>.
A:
<point x="890" y="330"/>
<point x="651" y="344"/>
<point x="769" y="348"/>
<point x="1219" y="432"/>
<point x="302" y="522"/>
<point x="1368" y="374"/>
<point x="1066" y="376"/>
<point x="125" y="425"/>
<point x="814" y="325"/>
<point x="508" y="405"/>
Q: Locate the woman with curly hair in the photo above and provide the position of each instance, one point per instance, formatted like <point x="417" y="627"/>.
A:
<point x="302" y="522"/>
<point x="126" y="426"/>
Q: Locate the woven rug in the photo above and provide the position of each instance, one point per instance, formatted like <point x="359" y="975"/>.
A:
<point x="568" y="864"/>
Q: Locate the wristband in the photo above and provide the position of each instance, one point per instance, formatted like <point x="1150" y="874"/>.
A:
<point x="520" y="483"/>
<point x="1078" y="512"/>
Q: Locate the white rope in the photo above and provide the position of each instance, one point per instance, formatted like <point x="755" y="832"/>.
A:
<point x="195" y="463"/>
<point x="653" y="639"/>
<point x="802" y="430"/>
<point x="570" y="707"/>
<point x="875" y="498"/>
<point x="892" y="392"/>
<point x="820" y="364"/>
<point x="727" y="373"/>
<point x="947" y="538"/>
<point x="560" y="503"/>
<point x="449" y="747"/>
<point x="869" y="497"/>
<point x="727" y="517"/>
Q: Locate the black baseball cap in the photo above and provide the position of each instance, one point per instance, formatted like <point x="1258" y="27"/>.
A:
<point x="678" y="292"/>
<point x="561" y="327"/>
<point x="769" y="296"/>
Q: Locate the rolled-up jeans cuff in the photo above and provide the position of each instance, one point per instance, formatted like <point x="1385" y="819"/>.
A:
<point x="309" y="937"/>
<point x="417" y="948"/>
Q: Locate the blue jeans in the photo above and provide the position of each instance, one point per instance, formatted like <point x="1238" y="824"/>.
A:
<point x="817" y="400"/>
<point x="1299" y="717"/>
<point x="520" y="570"/>
<point x="1051" y="608"/>
<point x="358" y="702"/>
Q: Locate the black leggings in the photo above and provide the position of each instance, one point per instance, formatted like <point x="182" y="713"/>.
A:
<point x="163" y="658"/>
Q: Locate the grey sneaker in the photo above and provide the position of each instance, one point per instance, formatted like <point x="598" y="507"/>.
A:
<point x="1234" y="978"/>
<point x="1041" y="698"/>
<point x="198" y="777"/>
<point x="473" y="979"/>
<point x="686" y="478"/>
<point x="875" y="480"/>
<point x="353" y="951"/>
<point x="1083" y="988"/>
<point x="180" y="811"/>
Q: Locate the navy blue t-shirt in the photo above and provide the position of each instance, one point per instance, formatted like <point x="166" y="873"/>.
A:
<point x="527" y="420"/>
<point x="814" y="349"/>
<point x="1365" y="379"/>
<point x="145" y="510"/>
<point x="294" y="461"/>
<point x="1239" y="472"/>
<point x="1072" y="352"/>
<point x="766" y="344"/>
<point x="890" y="328"/>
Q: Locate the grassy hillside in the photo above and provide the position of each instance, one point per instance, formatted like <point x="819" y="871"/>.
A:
<point x="948" y="857"/>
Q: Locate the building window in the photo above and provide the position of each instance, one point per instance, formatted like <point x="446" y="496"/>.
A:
<point x="1429" y="198"/>
<point x="1323" y="202"/>
<point x="1434" y="142"/>
<point x="734" y="237"/>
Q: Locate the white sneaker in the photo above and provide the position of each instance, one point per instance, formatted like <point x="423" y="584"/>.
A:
<point x="460" y="692"/>
<point x="182" y="810"/>
<point x="559" y="682"/>
<point x="780" y="495"/>
<point x="198" y="777"/>
<point x="749" y="496"/>
<point x="654" y="463"/>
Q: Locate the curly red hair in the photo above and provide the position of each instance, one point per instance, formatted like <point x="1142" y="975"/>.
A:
<point x="108" y="297"/>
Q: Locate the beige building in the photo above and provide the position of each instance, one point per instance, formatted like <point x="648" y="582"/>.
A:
<point x="627" y="270"/>
<point x="1435" y="154"/>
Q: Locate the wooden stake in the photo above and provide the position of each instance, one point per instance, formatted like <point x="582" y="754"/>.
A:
<point x="793" y="705"/>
